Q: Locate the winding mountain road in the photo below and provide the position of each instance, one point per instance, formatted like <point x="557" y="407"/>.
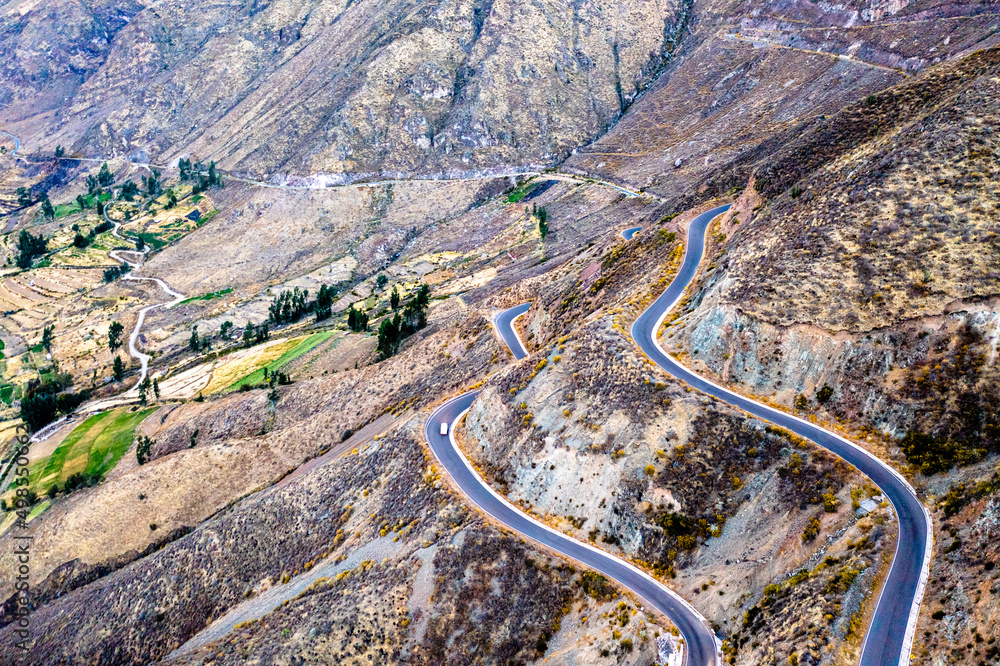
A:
<point x="17" y="141"/>
<point x="890" y="635"/>
<point x="889" y="639"/>
<point x="133" y="338"/>
<point x="503" y="322"/>
<point x="702" y="648"/>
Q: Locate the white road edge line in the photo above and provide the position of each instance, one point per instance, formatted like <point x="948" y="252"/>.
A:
<point x="911" y="625"/>
<point x="674" y="595"/>
<point x="512" y="327"/>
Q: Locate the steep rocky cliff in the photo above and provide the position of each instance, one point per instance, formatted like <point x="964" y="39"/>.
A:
<point x="866" y="256"/>
<point x="308" y="86"/>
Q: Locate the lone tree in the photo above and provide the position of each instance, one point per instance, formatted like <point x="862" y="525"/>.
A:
<point x="144" y="387"/>
<point x="543" y="222"/>
<point x="47" y="210"/>
<point x="156" y="388"/>
<point x="47" y="334"/>
<point x="394" y="298"/>
<point x="104" y="176"/>
<point x="225" y="329"/>
<point x="193" y="342"/>
<point x="381" y="280"/>
<point x="143" y="448"/>
<point x="81" y="201"/>
<point x="24" y="197"/>
<point x="115" y="335"/>
<point x="119" y="369"/>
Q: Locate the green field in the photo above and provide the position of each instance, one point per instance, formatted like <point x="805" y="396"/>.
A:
<point x="6" y="394"/>
<point x="521" y="192"/>
<point x="155" y="241"/>
<point x="208" y="296"/>
<point x="62" y="210"/>
<point x="307" y="344"/>
<point x="207" y="217"/>
<point x="92" y="449"/>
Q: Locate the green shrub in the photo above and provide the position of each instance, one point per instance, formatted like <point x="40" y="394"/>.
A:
<point x="812" y="529"/>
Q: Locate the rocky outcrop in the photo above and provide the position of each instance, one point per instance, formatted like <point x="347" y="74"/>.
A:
<point x="323" y="86"/>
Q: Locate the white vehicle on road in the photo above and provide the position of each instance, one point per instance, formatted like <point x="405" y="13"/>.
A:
<point x="444" y="428"/>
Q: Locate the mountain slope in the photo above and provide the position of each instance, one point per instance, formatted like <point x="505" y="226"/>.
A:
<point x="307" y="86"/>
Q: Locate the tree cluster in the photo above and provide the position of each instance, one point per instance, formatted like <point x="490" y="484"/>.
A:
<point x="254" y="335"/>
<point x="42" y="401"/>
<point x="29" y="247"/>
<point x="128" y="191"/>
<point x="152" y="183"/>
<point x="197" y="343"/>
<point x="104" y="177"/>
<point x="392" y="331"/>
<point x="48" y="212"/>
<point x="143" y="449"/>
<point x="357" y="320"/>
<point x="24" y="198"/>
<point x="115" y="272"/>
<point x="323" y="306"/>
<point x="184" y="165"/>
<point x="203" y="181"/>
<point x="289" y="306"/>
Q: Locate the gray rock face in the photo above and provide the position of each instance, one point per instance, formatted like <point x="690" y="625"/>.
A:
<point x="310" y="86"/>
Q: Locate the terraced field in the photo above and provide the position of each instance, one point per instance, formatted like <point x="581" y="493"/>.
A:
<point x="92" y="449"/>
<point x="299" y="347"/>
<point x="30" y="300"/>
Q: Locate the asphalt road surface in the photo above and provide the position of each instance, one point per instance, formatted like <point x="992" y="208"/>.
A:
<point x="701" y="645"/>
<point x="890" y="635"/>
<point x="700" y="640"/>
<point x="504" y="324"/>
